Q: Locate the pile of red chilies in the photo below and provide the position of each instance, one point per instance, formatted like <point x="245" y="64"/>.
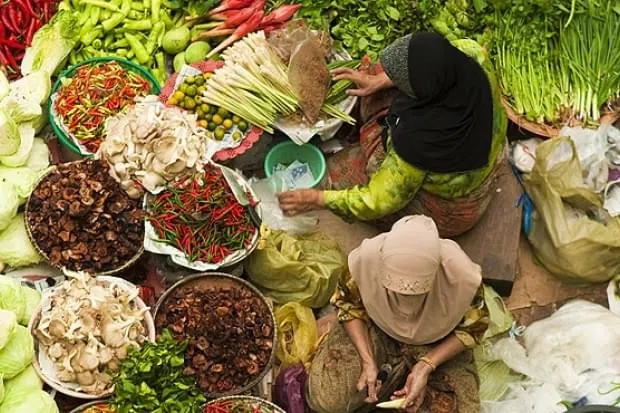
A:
<point x="19" y="20"/>
<point x="202" y="218"/>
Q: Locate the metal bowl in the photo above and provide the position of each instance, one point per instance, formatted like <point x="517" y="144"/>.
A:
<point x="83" y="407"/>
<point x="27" y="207"/>
<point x="214" y="280"/>
<point x="44" y="373"/>
<point x="249" y="400"/>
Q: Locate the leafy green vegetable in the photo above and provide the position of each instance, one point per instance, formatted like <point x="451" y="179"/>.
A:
<point x="51" y="44"/>
<point x="9" y="203"/>
<point x="23" y="180"/>
<point x="36" y="401"/>
<point x="151" y="380"/>
<point x="15" y="247"/>
<point x="26" y="381"/>
<point x="39" y="158"/>
<point x="20" y="108"/>
<point x="9" y="135"/>
<point x="4" y="85"/>
<point x="19" y="158"/>
<point x="8" y="322"/>
<point x="17" y="354"/>
<point x="12" y="297"/>
<point x="33" y="298"/>
<point x="35" y="86"/>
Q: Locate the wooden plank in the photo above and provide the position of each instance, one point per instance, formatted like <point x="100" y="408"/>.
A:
<point x="494" y="241"/>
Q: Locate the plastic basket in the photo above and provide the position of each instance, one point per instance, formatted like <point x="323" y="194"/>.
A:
<point x="64" y="139"/>
<point x="288" y="152"/>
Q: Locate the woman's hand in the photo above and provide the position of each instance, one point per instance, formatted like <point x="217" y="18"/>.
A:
<point x="415" y="388"/>
<point x="368" y="379"/>
<point x="366" y="84"/>
<point x="302" y="200"/>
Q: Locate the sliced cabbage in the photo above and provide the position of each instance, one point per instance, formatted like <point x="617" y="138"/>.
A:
<point x="21" y="108"/>
<point x="8" y="323"/>
<point x="35" y="86"/>
<point x="12" y="297"/>
<point x="9" y="134"/>
<point x="4" y="85"/>
<point x="16" y="250"/>
<point x="33" y="298"/>
<point x="17" y="354"/>
<point x="25" y="382"/>
<point x="9" y="203"/>
<point x="39" y="158"/>
<point x="19" y="158"/>
<point x="39" y="122"/>
<point x="23" y="180"/>
<point x="36" y="401"/>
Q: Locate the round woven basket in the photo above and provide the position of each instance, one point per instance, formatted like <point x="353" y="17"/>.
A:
<point x="546" y="130"/>
<point x="219" y="279"/>
<point x="83" y="407"/>
<point x="34" y="243"/>
<point x="250" y="400"/>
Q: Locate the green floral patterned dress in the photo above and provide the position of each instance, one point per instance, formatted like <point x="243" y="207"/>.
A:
<point x="396" y="182"/>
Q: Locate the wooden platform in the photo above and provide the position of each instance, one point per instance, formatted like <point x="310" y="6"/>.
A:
<point x="494" y="241"/>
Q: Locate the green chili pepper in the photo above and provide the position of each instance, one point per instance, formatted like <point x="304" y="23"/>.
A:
<point x="155" y="8"/>
<point x="165" y="17"/>
<point x="90" y="37"/>
<point x="154" y="38"/>
<point x="138" y="48"/>
<point x="138" y="25"/>
<point x="120" y="43"/>
<point x="101" y="4"/>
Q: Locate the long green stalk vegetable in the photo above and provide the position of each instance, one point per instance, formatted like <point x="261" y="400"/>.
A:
<point x="254" y="85"/>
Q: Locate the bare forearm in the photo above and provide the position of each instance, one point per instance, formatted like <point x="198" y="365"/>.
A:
<point x="446" y="350"/>
<point x="358" y="332"/>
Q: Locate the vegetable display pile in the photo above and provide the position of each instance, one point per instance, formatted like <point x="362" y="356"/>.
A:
<point x="458" y="19"/>
<point x="94" y="93"/>
<point x="81" y="218"/>
<point x="100" y="408"/>
<point x="87" y="326"/>
<point x="238" y="406"/>
<point x="230" y="331"/>
<point x="151" y="380"/>
<point x="254" y="84"/>
<point x="217" y="120"/>
<point x="151" y="145"/>
<point x="19" y="20"/>
<point x="202" y="218"/>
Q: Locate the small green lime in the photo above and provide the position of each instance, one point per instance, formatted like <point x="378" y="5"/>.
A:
<point x="199" y="80"/>
<point x="178" y="95"/>
<point x="190" y="104"/>
<point x="237" y="135"/>
<point x="220" y="133"/>
<point x="205" y="107"/>
<point x="223" y="113"/>
<point x="243" y="126"/>
<point x="236" y="119"/>
<point x="217" y="119"/>
<point x="201" y="90"/>
<point x="191" y="91"/>
<point x="227" y="124"/>
<point x="200" y="113"/>
<point x="203" y="123"/>
<point x="208" y="117"/>
<point x="190" y="80"/>
<point x="181" y="104"/>
<point x="183" y="88"/>
<point x="212" y="126"/>
<point x="213" y="110"/>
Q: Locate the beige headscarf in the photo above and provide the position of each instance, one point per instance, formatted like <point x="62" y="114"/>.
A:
<point x="415" y="286"/>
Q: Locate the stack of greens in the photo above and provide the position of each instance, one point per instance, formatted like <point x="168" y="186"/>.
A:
<point x="558" y="61"/>
<point x="458" y="19"/>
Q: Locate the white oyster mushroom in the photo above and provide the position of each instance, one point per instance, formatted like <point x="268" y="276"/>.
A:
<point x="57" y="351"/>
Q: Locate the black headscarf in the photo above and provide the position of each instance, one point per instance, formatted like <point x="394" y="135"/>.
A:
<point x="446" y="126"/>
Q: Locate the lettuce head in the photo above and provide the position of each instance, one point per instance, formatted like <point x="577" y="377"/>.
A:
<point x="4" y="85"/>
<point x="16" y="250"/>
<point x="8" y="323"/>
<point x="9" y="134"/>
<point x="9" y="203"/>
<point x="39" y="158"/>
<point x="35" y="86"/>
<point x="17" y="354"/>
<point x="19" y="158"/>
<point x="26" y="381"/>
<point x="36" y="401"/>
<point x="12" y="297"/>
<point x="23" y="180"/>
<point x="33" y="298"/>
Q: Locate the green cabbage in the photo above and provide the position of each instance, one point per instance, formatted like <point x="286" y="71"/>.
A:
<point x="39" y="158"/>
<point x="19" y="158"/>
<point x="33" y="298"/>
<point x="17" y="354"/>
<point x="35" y="87"/>
<point x="4" y="85"/>
<point x="16" y="250"/>
<point x="9" y="202"/>
<point x="51" y="44"/>
<point x="12" y="296"/>
<point x="2" y="392"/>
<point x="23" y="180"/>
<point x="9" y="134"/>
<point x="37" y="401"/>
<point x="8" y="322"/>
<point x="25" y="382"/>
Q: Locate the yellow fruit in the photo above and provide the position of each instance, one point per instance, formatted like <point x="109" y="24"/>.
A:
<point x="217" y="119"/>
<point x="236" y="119"/>
<point x="237" y="135"/>
<point x="178" y="95"/>
<point x="227" y="124"/>
<point x="173" y="102"/>
<point x="203" y="123"/>
<point x="219" y="133"/>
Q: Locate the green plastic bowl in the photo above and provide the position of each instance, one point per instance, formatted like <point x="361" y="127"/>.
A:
<point x="68" y="73"/>
<point x="288" y="152"/>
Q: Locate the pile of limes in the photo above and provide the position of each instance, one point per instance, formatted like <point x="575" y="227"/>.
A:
<point x="217" y="120"/>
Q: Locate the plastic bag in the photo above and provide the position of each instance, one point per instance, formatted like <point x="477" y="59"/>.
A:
<point x="299" y="268"/>
<point x="297" y="334"/>
<point x="572" y="355"/>
<point x="290" y="389"/>
<point x="571" y="234"/>
<point x="591" y="148"/>
<point x="273" y="217"/>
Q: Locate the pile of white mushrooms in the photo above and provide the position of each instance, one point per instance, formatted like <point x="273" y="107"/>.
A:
<point x="153" y="144"/>
<point x="86" y="328"/>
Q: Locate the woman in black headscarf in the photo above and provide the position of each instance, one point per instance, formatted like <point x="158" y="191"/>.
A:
<point x="438" y="145"/>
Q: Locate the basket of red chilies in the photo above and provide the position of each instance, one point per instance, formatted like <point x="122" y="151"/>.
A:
<point x="204" y="222"/>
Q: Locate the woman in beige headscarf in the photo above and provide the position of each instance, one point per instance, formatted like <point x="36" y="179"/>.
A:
<point x="409" y="299"/>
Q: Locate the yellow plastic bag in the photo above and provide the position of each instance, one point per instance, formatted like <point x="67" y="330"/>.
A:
<point x="572" y="236"/>
<point x="297" y="334"/>
<point x="297" y="268"/>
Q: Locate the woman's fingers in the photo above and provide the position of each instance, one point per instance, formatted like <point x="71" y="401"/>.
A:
<point x="358" y="92"/>
<point x="372" y="390"/>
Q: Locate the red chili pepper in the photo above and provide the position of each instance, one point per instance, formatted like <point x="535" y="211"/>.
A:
<point x="8" y="21"/>
<point x="26" y="8"/>
<point x="11" y="60"/>
<point x="12" y="42"/>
